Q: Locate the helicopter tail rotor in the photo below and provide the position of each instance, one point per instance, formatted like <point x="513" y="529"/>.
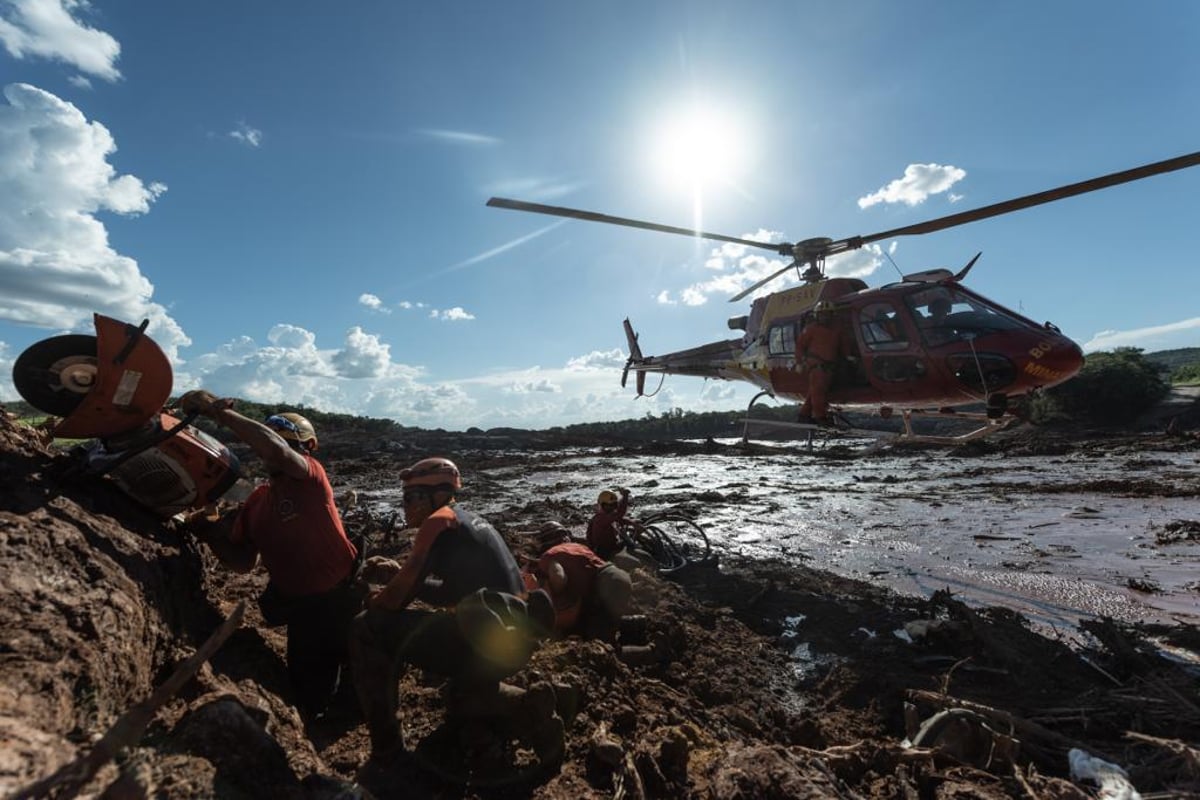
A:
<point x="635" y="358"/>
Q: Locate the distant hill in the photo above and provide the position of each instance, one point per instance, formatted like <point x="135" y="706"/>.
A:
<point x="1171" y="360"/>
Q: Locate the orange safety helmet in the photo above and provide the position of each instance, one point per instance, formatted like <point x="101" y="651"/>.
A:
<point x="434" y="472"/>
<point x="607" y="496"/>
<point x="294" y="428"/>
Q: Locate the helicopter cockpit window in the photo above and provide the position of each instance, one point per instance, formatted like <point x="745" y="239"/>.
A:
<point x="881" y="328"/>
<point x="781" y="340"/>
<point x="944" y="315"/>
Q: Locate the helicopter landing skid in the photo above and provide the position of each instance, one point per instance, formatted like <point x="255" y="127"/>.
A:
<point x="987" y="426"/>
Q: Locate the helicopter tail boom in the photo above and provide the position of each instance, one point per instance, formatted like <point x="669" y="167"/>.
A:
<point x="714" y="360"/>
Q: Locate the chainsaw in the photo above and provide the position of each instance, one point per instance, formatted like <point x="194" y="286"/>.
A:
<point x="111" y="389"/>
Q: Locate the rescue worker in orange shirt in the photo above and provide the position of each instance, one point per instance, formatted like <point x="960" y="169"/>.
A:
<point x="483" y="631"/>
<point x="819" y="347"/>
<point x="292" y="523"/>
<point x="590" y="594"/>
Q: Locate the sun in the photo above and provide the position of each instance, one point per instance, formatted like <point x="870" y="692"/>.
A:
<point x="699" y="147"/>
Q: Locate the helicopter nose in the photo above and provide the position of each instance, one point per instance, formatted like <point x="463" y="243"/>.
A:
<point x="1059" y="362"/>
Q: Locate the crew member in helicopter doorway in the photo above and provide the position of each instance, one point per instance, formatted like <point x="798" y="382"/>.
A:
<point x="819" y="347"/>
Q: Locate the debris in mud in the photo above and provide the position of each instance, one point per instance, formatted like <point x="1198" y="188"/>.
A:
<point x="1180" y="530"/>
<point x="100" y="602"/>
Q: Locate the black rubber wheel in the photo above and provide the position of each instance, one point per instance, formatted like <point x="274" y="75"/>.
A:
<point x="53" y="375"/>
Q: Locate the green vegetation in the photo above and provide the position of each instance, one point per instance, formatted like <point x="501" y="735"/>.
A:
<point x="1113" y="388"/>
<point x="1188" y="374"/>
<point x="680" y="424"/>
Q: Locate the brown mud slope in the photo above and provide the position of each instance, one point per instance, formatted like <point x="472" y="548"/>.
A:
<point x="774" y="683"/>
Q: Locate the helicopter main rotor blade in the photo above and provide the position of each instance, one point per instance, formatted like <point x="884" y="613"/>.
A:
<point x="592" y="216"/>
<point x="1017" y="204"/>
<point x="760" y="283"/>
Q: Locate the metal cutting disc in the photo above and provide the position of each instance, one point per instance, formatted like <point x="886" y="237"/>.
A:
<point x="55" y="374"/>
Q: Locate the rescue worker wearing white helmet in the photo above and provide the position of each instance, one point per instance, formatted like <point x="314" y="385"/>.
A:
<point x="292" y="523"/>
<point x="459" y="563"/>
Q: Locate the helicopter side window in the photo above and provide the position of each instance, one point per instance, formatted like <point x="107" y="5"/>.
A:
<point x="881" y="328"/>
<point x="781" y="340"/>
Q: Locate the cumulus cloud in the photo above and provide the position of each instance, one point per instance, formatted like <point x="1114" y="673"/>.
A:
<point x="1185" y="333"/>
<point x="293" y="368"/>
<point x="251" y="137"/>
<point x="8" y="393"/>
<point x="53" y="30"/>
<point x="374" y="303"/>
<point x="455" y="314"/>
<point x="55" y="260"/>
<point x="664" y="298"/>
<point x="598" y="359"/>
<point x="919" y="182"/>
<point x="533" y="385"/>
<point x="362" y="356"/>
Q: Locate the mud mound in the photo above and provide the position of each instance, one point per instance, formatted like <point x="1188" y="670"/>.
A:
<point x="768" y="681"/>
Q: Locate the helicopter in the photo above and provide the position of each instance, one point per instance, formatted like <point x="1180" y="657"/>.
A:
<point x="926" y="343"/>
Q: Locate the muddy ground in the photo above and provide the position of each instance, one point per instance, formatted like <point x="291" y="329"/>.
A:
<point x="778" y="680"/>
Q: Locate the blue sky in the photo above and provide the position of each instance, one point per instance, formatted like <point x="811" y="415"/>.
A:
<point x="293" y="193"/>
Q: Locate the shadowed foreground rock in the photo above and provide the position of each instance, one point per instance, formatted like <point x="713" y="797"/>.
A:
<point x="769" y="682"/>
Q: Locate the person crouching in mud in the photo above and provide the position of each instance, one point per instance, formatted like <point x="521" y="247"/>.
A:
<point x="483" y="631"/>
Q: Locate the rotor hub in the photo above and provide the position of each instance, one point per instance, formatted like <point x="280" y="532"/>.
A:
<point x="76" y="373"/>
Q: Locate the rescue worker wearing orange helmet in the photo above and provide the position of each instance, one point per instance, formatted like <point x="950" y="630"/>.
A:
<point x="293" y="525"/>
<point x="819" y="347"/>
<point x="460" y="564"/>
<point x="602" y="535"/>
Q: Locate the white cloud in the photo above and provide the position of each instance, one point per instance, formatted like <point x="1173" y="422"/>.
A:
<point x="919" y="181"/>
<point x="374" y="303"/>
<point x="531" y="386"/>
<point x="459" y="137"/>
<point x="409" y="304"/>
<point x="8" y="392"/>
<point x="56" y="264"/>
<point x="251" y="137"/>
<point x="79" y="82"/>
<point x="455" y="314"/>
<point x="598" y="359"/>
<point x="664" y="298"/>
<point x="1185" y="333"/>
<point x="363" y="355"/>
<point x="51" y="29"/>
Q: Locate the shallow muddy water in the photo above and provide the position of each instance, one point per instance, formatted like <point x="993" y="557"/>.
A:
<point x="1057" y="538"/>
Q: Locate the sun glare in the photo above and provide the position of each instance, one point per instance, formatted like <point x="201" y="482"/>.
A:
<point x="699" y="147"/>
